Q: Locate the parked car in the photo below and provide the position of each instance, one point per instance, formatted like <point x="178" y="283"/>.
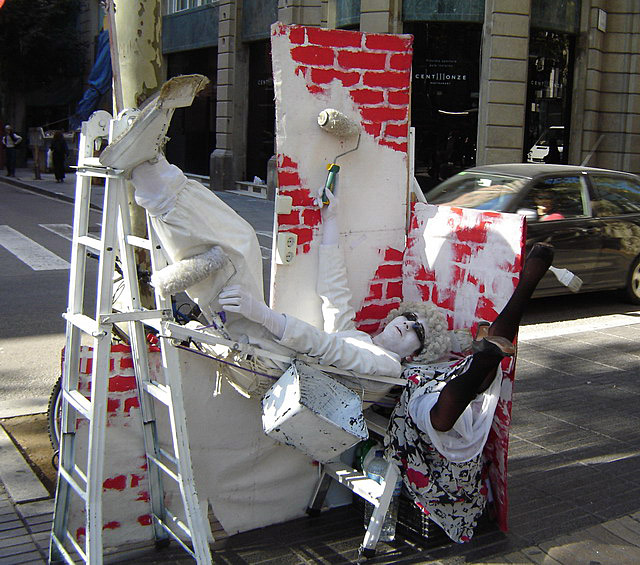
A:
<point x="591" y="216"/>
<point x="540" y="149"/>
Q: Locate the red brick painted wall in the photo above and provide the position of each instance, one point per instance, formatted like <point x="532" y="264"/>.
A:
<point x="375" y="69"/>
<point x="126" y="503"/>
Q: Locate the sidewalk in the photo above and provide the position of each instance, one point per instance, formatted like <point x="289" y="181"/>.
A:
<point x="574" y="462"/>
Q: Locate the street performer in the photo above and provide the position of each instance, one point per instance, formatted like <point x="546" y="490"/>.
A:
<point x="441" y="422"/>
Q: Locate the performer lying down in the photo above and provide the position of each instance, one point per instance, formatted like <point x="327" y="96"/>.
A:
<point x="440" y="425"/>
<point x="195" y="225"/>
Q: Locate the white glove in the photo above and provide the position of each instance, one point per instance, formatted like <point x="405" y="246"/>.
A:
<point x="235" y="298"/>
<point x="329" y="213"/>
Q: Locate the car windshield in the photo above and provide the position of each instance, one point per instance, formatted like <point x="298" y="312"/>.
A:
<point x="477" y="190"/>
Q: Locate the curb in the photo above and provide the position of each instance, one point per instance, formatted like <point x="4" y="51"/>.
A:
<point x="45" y="191"/>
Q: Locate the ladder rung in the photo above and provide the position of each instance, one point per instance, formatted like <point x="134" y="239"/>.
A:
<point x="133" y="316"/>
<point x="86" y="324"/>
<point x="79" y="402"/>
<point x="67" y="556"/>
<point x="89" y="241"/>
<point x="164" y="467"/>
<point x="158" y="391"/>
<point x="155" y="323"/>
<point x="142" y="242"/>
<point x="73" y="483"/>
<point x="168" y="456"/>
<point x="91" y="167"/>
<point x="167" y="529"/>
<point x="362" y="485"/>
<point x="175" y="520"/>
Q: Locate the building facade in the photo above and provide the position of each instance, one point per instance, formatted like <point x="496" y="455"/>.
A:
<point x="493" y="81"/>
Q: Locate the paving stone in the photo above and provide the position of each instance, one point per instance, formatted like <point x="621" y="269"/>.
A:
<point x="625" y="528"/>
<point x="544" y="531"/>
<point x="36" y="508"/>
<point x="39" y="519"/>
<point x="536" y="555"/>
<point x="44" y="527"/>
<point x="24" y="559"/>
<point x="13" y="533"/>
<point x="9" y="527"/>
<point x="15" y="550"/>
<point x="592" y="545"/>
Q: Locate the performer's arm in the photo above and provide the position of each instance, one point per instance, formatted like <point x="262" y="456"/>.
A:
<point x="332" y="285"/>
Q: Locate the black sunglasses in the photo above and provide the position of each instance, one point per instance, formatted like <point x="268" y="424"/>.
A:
<point x="417" y="327"/>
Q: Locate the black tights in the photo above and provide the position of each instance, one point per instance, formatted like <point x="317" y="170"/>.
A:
<point x="459" y="392"/>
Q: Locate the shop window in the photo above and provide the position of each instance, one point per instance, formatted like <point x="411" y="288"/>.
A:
<point x="548" y="95"/>
<point x="192" y="130"/>
<point x="444" y="98"/>
<point x="262" y="111"/>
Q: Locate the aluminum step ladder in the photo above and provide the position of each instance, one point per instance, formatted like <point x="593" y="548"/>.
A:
<point x="377" y="494"/>
<point x="84" y="479"/>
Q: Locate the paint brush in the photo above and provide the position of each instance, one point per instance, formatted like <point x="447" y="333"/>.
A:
<point x="567" y="278"/>
<point x="337" y="124"/>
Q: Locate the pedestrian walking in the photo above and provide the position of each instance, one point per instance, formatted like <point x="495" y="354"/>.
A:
<point x="10" y="140"/>
<point x="60" y="151"/>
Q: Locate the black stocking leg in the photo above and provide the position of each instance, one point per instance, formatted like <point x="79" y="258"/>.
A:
<point x="536" y="265"/>
<point x="461" y="390"/>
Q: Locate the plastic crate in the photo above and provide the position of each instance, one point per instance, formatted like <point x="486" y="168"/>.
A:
<point x="412" y="524"/>
<point x="415" y="525"/>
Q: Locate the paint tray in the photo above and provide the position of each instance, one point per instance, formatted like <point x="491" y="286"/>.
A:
<point x="312" y="412"/>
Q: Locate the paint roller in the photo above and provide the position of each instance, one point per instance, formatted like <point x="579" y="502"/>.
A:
<point x="336" y="123"/>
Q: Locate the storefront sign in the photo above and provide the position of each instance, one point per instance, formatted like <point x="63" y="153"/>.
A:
<point x="441" y="72"/>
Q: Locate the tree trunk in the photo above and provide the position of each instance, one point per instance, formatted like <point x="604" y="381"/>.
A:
<point x="138" y="72"/>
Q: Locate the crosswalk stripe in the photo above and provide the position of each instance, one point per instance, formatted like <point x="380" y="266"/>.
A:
<point x="63" y="230"/>
<point x="30" y="252"/>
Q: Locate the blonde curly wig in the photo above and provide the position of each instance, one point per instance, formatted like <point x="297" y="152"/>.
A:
<point x="437" y="343"/>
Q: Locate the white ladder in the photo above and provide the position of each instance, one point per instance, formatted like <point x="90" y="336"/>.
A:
<point x="87" y="482"/>
<point x="377" y="494"/>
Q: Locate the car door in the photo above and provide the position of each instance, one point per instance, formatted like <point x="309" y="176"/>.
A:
<point x="616" y="207"/>
<point x="559" y="212"/>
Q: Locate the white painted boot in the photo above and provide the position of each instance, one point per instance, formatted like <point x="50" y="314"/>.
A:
<point x="142" y="140"/>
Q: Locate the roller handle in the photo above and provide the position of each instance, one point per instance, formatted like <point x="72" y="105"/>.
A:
<point x="330" y="183"/>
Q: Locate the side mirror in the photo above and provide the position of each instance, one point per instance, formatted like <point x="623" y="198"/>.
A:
<point x="530" y="214"/>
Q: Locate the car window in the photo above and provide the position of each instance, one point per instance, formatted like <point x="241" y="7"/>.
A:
<point x="483" y="191"/>
<point x="615" y="195"/>
<point x="557" y="198"/>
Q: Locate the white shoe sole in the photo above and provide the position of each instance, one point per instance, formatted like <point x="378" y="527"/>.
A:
<point x="178" y="92"/>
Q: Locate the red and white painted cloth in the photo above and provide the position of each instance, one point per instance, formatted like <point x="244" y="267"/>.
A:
<point x="448" y="486"/>
<point x="468" y="263"/>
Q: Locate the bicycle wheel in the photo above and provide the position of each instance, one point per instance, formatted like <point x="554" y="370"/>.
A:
<point x="54" y="414"/>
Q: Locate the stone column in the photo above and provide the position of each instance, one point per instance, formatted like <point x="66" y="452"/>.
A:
<point x="303" y="12"/>
<point x="503" y="81"/>
<point x="229" y="158"/>
<point x="381" y="16"/>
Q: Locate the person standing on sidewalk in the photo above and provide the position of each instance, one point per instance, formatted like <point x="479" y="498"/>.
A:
<point x="10" y="140"/>
<point x="60" y="151"/>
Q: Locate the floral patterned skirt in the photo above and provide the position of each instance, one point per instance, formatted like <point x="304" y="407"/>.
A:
<point x="453" y="495"/>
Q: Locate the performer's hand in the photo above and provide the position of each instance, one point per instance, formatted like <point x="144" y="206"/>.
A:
<point x="236" y="298"/>
<point x="330" y="220"/>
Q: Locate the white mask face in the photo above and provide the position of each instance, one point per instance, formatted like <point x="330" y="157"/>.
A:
<point x="399" y="337"/>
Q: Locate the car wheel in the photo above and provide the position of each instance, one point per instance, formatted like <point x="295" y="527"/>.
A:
<point x="633" y="282"/>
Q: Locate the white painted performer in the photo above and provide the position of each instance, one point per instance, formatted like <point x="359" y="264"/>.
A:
<point x="201" y="232"/>
<point x="443" y="417"/>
